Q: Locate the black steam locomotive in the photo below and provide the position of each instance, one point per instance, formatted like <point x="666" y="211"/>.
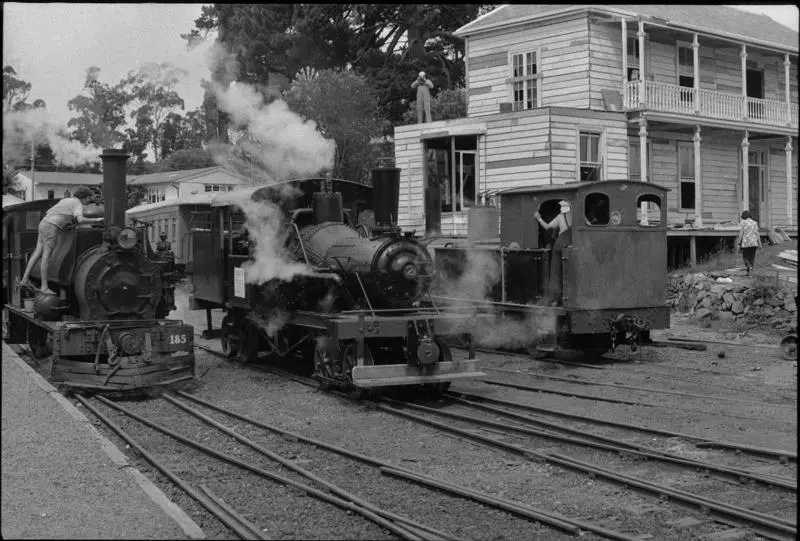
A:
<point x="351" y="291"/>
<point x="105" y="327"/>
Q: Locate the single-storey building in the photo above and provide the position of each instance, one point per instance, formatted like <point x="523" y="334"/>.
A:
<point x="53" y="184"/>
<point x="173" y="185"/>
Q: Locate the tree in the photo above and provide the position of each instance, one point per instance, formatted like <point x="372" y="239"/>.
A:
<point x="182" y="132"/>
<point x="101" y="113"/>
<point x="15" y="91"/>
<point x="151" y="94"/>
<point x="9" y="180"/>
<point x="385" y="42"/>
<point x="447" y="105"/>
<point x="346" y="110"/>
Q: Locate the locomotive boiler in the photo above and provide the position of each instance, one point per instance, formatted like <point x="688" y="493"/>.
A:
<point x="360" y="308"/>
<point x="105" y="326"/>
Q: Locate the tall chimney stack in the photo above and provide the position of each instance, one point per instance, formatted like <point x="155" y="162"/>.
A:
<point x="114" y="193"/>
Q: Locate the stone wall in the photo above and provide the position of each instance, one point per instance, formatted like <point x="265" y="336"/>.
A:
<point x="719" y="297"/>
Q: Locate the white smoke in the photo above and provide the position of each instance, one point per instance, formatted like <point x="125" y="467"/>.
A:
<point x="283" y="144"/>
<point x="470" y="295"/>
<point x="264" y="223"/>
<point x="22" y="127"/>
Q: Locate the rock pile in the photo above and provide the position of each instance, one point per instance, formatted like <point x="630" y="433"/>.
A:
<point x="715" y="296"/>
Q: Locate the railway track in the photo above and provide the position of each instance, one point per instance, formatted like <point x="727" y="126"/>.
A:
<point x="769" y="526"/>
<point x="400" y="526"/>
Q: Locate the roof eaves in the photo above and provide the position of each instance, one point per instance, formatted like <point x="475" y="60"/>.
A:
<point x="655" y="21"/>
<point x="464" y="31"/>
<point x="466" y="26"/>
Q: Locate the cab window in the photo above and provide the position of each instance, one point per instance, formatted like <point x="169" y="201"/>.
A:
<point x="596" y="208"/>
<point x="648" y="210"/>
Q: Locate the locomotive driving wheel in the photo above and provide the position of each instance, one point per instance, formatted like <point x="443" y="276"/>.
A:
<point x="230" y="345"/>
<point x="350" y="361"/>
<point x="445" y="356"/>
<point x="249" y="343"/>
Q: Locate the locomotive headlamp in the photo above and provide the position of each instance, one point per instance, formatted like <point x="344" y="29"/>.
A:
<point x="126" y="238"/>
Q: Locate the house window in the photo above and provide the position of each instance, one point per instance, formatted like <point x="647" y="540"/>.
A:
<point x="590" y="162"/>
<point x="67" y="193"/>
<point x="525" y="80"/>
<point x="685" y="66"/>
<point x="213" y="188"/>
<point x="686" y="174"/>
<point x="634" y="161"/>
<point x="51" y="194"/>
<point x="174" y="230"/>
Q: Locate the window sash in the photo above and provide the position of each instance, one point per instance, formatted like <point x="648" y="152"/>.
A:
<point x="589" y="149"/>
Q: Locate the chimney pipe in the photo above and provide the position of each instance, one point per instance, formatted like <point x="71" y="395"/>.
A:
<point x="385" y="196"/>
<point x="114" y="194"/>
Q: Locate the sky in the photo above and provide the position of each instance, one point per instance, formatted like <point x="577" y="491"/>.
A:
<point x="52" y="45"/>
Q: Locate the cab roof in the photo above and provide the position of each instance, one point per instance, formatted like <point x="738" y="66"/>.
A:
<point x="579" y="187"/>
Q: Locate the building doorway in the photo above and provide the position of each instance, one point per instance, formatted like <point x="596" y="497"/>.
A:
<point x="755" y="89"/>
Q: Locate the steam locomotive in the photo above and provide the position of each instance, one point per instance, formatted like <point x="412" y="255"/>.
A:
<point x="613" y="271"/>
<point x="105" y="328"/>
<point x="357" y="302"/>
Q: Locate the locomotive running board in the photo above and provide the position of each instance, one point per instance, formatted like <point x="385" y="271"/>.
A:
<point x="403" y="374"/>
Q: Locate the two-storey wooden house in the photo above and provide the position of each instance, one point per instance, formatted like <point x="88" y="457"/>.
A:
<point x="699" y="99"/>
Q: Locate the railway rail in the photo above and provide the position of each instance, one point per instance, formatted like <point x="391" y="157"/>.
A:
<point x="766" y="525"/>
<point x="403" y="527"/>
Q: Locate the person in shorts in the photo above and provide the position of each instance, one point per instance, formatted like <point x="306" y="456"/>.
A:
<point x="62" y="215"/>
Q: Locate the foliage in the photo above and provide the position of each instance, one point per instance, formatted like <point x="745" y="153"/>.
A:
<point x="9" y="180"/>
<point x="101" y="114"/>
<point x="135" y="196"/>
<point x="387" y="43"/>
<point x="15" y="91"/>
<point x="150" y="93"/>
<point x="182" y="132"/>
<point x="447" y="105"/>
<point x="346" y="110"/>
<point x="188" y="158"/>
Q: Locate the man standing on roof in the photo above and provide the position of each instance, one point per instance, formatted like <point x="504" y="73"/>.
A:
<point x="562" y="224"/>
<point x="423" y="86"/>
<point x="62" y="215"/>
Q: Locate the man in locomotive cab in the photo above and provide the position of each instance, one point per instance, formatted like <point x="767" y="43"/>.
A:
<point x="562" y="224"/>
<point x="58" y="219"/>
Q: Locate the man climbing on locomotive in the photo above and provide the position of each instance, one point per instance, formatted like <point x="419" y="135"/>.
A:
<point x="58" y="219"/>
<point x="562" y="224"/>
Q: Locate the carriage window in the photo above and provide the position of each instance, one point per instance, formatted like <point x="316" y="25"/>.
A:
<point x="649" y="210"/>
<point x="596" y="207"/>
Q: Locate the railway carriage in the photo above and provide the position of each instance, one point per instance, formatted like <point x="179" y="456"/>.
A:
<point x="359" y="306"/>
<point x="614" y="271"/>
<point x="106" y="328"/>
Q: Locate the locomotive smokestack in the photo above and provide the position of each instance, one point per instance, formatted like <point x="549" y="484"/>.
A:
<point x="114" y="165"/>
<point x="385" y="195"/>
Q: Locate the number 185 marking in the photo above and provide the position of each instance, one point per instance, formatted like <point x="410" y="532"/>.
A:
<point x="177" y="338"/>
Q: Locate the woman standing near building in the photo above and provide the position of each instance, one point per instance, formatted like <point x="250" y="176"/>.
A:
<point x="749" y="240"/>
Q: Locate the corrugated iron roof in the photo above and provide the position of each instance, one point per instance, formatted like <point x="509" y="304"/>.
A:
<point x="713" y="18"/>
<point x="58" y="177"/>
<point x="216" y="174"/>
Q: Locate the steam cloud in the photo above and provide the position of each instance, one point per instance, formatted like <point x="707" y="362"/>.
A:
<point x="20" y="128"/>
<point x="263" y="221"/>
<point x="282" y="143"/>
<point x="480" y="274"/>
